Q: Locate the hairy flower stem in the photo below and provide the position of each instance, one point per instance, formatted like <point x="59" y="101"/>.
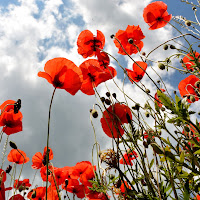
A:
<point x="48" y="131"/>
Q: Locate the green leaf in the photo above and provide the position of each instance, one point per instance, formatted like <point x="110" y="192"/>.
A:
<point x="182" y="156"/>
<point x="197" y="152"/>
<point x="151" y="164"/>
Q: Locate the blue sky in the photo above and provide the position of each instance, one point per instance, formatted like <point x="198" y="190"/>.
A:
<point x="34" y="31"/>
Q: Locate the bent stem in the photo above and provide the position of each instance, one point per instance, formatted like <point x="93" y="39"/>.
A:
<point x="48" y="130"/>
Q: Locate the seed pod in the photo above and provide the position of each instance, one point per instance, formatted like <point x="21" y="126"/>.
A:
<point x="172" y="46"/>
<point x="192" y="98"/>
<point x="165" y="47"/>
<point x="147" y="91"/>
<point x="147" y="114"/>
<point x="94" y="113"/>
<point x="161" y="66"/>
<point x="188" y="23"/>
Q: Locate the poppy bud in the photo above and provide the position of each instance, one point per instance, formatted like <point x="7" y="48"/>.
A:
<point x="165" y="47"/>
<point x="130" y="41"/>
<point x="147" y="114"/>
<point x="158" y="81"/>
<point x="161" y="66"/>
<point x="17" y="106"/>
<point x="107" y="101"/>
<point x="188" y="23"/>
<point x="13" y="145"/>
<point x="187" y="129"/>
<point x="65" y="196"/>
<point x="143" y="53"/>
<point x="197" y="84"/>
<point x="162" y="108"/>
<point x="147" y="91"/>
<point x="112" y="36"/>
<point x="102" y="99"/>
<point x="172" y="46"/>
<point x="94" y="113"/>
<point x="8" y="169"/>
<point x="112" y="176"/>
<point x="192" y="98"/>
<point x="108" y="94"/>
<point x="137" y="106"/>
<point x="174" y="91"/>
<point x="114" y="95"/>
<point x="145" y="144"/>
<point x="194" y="8"/>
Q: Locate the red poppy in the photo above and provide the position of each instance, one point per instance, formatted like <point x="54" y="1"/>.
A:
<point x="156" y="15"/>
<point x="188" y="87"/>
<point x="88" y="44"/>
<point x="16" y="157"/>
<point x="39" y="160"/>
<point x="157" y="99"/>
<point x="37" y="193"/>
<point x="132" y="32"/>
<point x="83" y="170"/>
<point x="113" y="118"/>
<point x="198" y="197"/>
<point x="104" y="62"/>
<point x="9" y="119"/>
<point x="93" y="195"/>
<point x="93" y="75"/>
<point x="43" y="173"/>
<point x="52" y="193"/>
<point x="191" y="60"/>
<point x="128" y="157"/>
<point x="75" y="188"/>
<point x="62" y="73"/>
<point x="21" y="185"/>
<point x="59" y="176"/>
<point x="2" y="186"/>
<point x="138" y="72"/>
<point x="123" y="188"/>
<point x="17" y="197"/>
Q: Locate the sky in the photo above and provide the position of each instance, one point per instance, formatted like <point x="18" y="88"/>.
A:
<point x="35" y="31"/>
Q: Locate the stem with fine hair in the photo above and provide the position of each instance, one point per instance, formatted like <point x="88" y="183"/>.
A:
<point x="48" y="131"/>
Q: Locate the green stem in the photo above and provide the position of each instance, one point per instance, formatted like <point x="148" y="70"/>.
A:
<point x="48" y="132"/>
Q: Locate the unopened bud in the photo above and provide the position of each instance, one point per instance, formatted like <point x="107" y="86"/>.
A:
<point x="143" y="53"/>
<point x="112" y="36"/>
<point x="8" y="169"/>
<point x="147" y="91"/>
<point x="194" y="8"/>
<point x="102" y="99"/>
<point x="188" y="23"/>
<point x="172" y="46"/>
<point x="114" y="95"/>
<point x="94" y="113"/>
<point x="137" y="106"/>
<point x="108" y="94"/>
<point x="147" y="114"/>
<point x="161" y="66"/>
<point x="13" y="145"/>
<point x="107" y="101"/>
<point x="165" y="47"/>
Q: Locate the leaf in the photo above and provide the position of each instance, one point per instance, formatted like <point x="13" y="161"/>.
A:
<point x="157" y="148"/>
<point x="197" y="152"/>
<point x="182" y="156"/>
<point x="151" y="164"/>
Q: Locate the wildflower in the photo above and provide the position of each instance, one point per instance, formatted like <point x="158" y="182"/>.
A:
<point x="17" y="197"/>
<point x="37" y="193"/>
<point x="11" y="121"/>
<point x="39" y="160"/>
<point x="128" y="157"/>
<point x="112" y="119"/>
<point x="132" y="32"/>
<point x="88" y="44"/>
<point x="63" y="74"/>
<point x="138" y="71"/>
<point x="21" y="185"/>
<point x="156" y="15"/>
<point x="93" y="75"/>
<point x="191" y="60"/>
<point x="188" y="88"/>
<point x="17" y="156"/>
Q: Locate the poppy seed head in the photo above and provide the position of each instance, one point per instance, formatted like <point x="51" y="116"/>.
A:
<point x="94" y="113"/>
<point x="165" y="47"/>
<point x="161" y="66"/>
<point x="130" y="41"/>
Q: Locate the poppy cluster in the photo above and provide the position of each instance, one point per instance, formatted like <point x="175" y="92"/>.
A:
<point x="113" y="118"/>
<point x="156" y="15"/>
<point x="10" y="118"/>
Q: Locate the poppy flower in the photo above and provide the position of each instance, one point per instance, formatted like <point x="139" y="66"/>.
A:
<point x="39" y="160"/>
<point x="156" y="15"/>
<point x="16" y="157"/>
<point x="104" y="62"/>
<point x="191" y="60"/>
<point x="63" y="74"/>
<point x="123" y="188"/>
<point x="138" y="71"/>
<point x="17" y="197"/>
<point x="93" y="195"/>
<point x="93" y="75"/>
<point x="37" y="193"/>
<point x="59" y="176"/>
<point x="52" y="193"/>
<point x="88" y="44"/>
<point x="9" y="119"/>
<point x="128" y="157"/>
<point x="189" y="87"/>
<point x="83" y="170"/>
<point x="157" y="99"/>
<point x="132" y="32"/>
<point x="198" y="197"/>
<point x="21" y="185"/>
<point x="75" y="188"/>
<point x="112" y="119"/>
